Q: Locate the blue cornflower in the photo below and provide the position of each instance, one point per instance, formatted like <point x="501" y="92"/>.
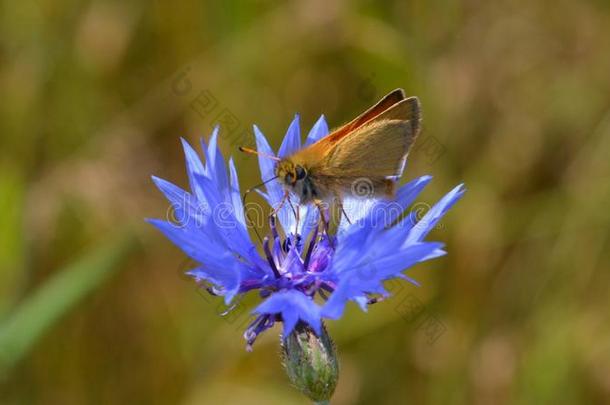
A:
<point x="302" y="273"/>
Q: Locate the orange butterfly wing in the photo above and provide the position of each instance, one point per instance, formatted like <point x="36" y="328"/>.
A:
<point x="316" y="152"/>
<point x="384" y="104"/>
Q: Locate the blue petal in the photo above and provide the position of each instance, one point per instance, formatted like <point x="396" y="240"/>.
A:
<point x="368" y="274"/>
<point x="200" y="245"/>
<point x="275" y="191"/>
<point x="384" y="212"/>
<point x="227" y="278"/>
<point x="292" y="263"/>
<point x="310" y="218"/>
<point x="429" y="220"/>
<point x="356" y="209"/>
<point x="267" y="168"/>
<point x="202" y="250"/>
<point x="408" y="193"/>
<point x="217" y="225"/>
<point x="389" y="266"/>
<point x="318" y="131"/>
<point x="292" y="140"/>
<point x="236" y="195"/>
<point x="215" y="163"/>
<point x="293" y="306"/>
<point x="186" y="207"/>
<point x="227" y="226"/>
<point x="193" y="167"/>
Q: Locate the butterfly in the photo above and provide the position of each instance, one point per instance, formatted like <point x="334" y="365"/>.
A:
<point x="363" y="158"/>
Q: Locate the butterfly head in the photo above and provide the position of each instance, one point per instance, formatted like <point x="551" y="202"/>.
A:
<point x="290" y="173"/>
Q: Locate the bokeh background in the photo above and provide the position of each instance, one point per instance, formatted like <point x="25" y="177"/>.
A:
<point x="94" y="308"/>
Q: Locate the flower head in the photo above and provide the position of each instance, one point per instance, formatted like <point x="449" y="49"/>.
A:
<point x="302" y="273"/>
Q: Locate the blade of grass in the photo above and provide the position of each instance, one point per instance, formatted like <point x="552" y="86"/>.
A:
<point x="20" y="331"/>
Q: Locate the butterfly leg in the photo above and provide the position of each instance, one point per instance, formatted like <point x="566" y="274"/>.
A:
<point x="295" y="212"/>
<point x="339" y="203"/>
<point x="298" y="216"/>
<point x="320" y="205"/>
<point x="345" y="215"/>
<point x="249" y="222"/>
<point x="330" y="232"/>
<point x="374" y="300"/>
<point x="285" y="198"/>
<point x="280" y="205"/>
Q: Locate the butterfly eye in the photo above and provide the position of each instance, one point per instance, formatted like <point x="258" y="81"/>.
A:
<point x="289" y="179"/>
<point x="301" y="173"/>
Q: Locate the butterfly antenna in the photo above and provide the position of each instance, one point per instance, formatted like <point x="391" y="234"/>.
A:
<point x="255" y="152"/>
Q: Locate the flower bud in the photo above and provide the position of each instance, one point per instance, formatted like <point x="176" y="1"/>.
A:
<point x="311" y="362"/>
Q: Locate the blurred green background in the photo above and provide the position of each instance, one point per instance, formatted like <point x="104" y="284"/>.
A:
<point x="95" y="95"/>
